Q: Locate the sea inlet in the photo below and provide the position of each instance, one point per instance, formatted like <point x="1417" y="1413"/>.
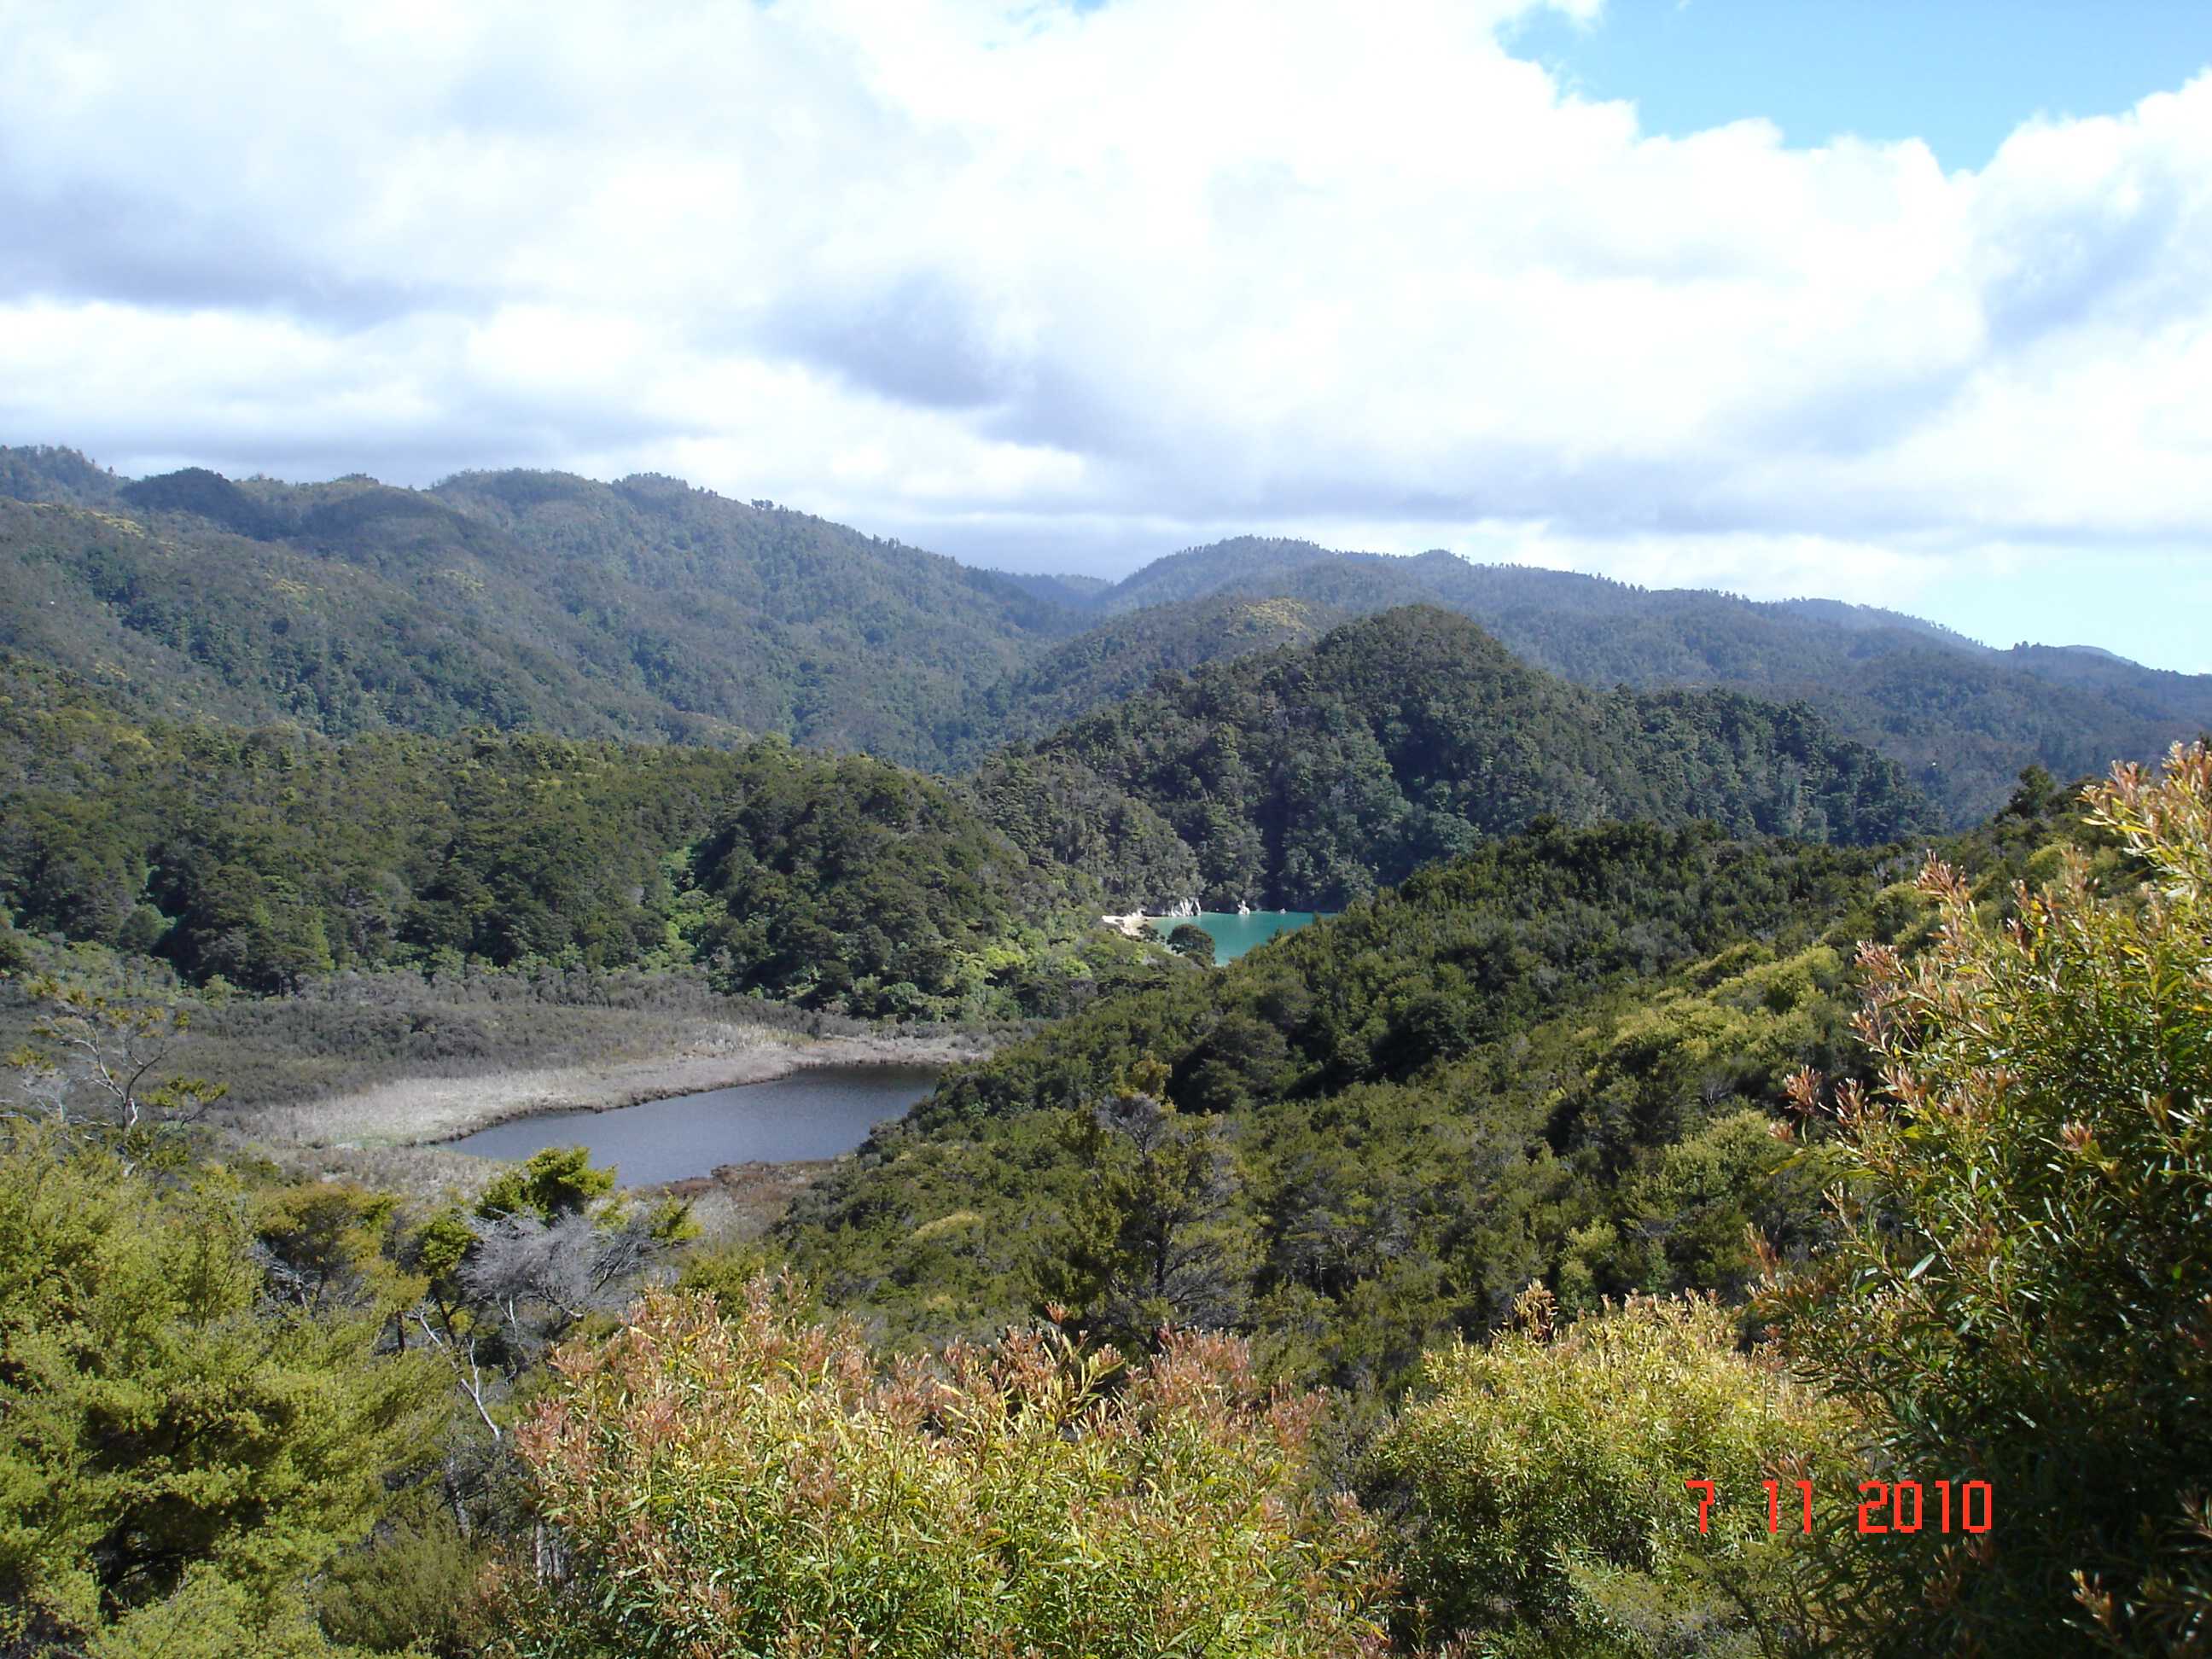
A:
<point x="1235" y="932"/>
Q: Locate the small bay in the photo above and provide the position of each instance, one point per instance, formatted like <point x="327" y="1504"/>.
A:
<point x="819" y="1112"/>
<point x="1235" y="932"/>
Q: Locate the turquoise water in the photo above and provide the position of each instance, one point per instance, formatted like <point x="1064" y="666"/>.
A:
<point x="1233" y="935"/>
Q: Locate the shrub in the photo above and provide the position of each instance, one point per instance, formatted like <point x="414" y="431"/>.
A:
<point x="754" y="1483"/>
<point x="414" y="1584"/>
<point x="1542" y="1477"/>
<point x="2022" y="1289"/>
<point x="178" y="1447"/>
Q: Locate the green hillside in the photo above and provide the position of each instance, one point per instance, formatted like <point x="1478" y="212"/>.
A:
<point x="1551" y="1058"/>
<point x="1305" y="778"/>
<point x="1123" y="656"/>
<point x="1962" y="719"/>
<point x="531" y="601"/>
<point x="645" y="610"/>
<point x="269" y="857"/>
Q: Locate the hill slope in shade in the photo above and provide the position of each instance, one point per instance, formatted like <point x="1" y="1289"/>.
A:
<point x="1123" y="656"/>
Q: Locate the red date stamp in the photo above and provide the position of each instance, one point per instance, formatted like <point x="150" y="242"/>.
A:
<point x="1885" y="1506"/>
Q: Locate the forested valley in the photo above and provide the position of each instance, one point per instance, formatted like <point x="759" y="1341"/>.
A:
<point x="1711" y="1078"/>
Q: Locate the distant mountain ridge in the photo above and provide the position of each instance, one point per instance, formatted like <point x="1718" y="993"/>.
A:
<point x="519" y="600"/>
<point x="1962" y="717"/>
<point x="648" y="609"/>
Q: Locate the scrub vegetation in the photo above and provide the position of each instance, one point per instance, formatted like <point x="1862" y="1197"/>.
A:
<point x="1671" y="1116"/>
<point x="1577" y="1168"/>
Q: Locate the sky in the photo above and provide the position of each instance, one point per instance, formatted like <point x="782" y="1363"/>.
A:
<point x="1909" y="305"/>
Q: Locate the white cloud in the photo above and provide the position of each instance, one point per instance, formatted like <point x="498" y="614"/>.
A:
<point x="1139" y="271"/>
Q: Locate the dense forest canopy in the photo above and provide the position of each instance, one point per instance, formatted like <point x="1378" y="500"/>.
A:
<point x="648" y="609"/>
<point x="1539" y="1059"/>
<point x="1303" y="778"/>
<point x="1961" y="718"/>
<point x="266" y="857"/>
<point x="532" y="601"/>
<point x="1657" y="1112"/>
<point x="1123" y="656"/>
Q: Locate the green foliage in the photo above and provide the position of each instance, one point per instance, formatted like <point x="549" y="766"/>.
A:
<point x="2018" y="1293"/>
<point x="643" y="610"/>
<point x="744" y="1482"/>
<point x="556" y="1181"/>
<point x="1190" y="939"/>
<point x="414" y="1585"/>
<point x="178" y="1448"/>
<point x="650" y="610"/>
<point x="1154" y="1240"/>
<point x="1563" y="1056"/>
<point x="545" y="1249"/>
<point x="1122" y="656"/>
<point x="97" y="1059"/>
<point x="43" y="472"/>
<point x="212" y="1616"/>
<point x="266" y="859"/>
<point x="853" y="885"/>
<point x="1060" y="810"/>
<point x="1303" y="780"/>
<point x="1960" y="718"/>
<point x="325" y="1246"/>
<point x="1541" y="1478"/>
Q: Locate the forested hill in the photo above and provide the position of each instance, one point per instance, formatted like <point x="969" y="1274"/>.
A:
<point x="271" y="857"/>
<point x="1305" y="778"/>
<point x="520" y="600"/>
<point x="1962" y="719"/>
<point x="645" y="610"/>
<point x="1123" y="656"/>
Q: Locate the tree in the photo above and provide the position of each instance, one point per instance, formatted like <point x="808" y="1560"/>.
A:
<point x="544" y="1248"/>
<point x="1188" y="939"/>
<point x="556" y="1181"/>
<point x="179" y="1448"/>
<point x="97" y="1057"/>
<point x="1541" y="1478"/>
<point x="1156" y="1241"/>
<point x="2021" y="1292"/>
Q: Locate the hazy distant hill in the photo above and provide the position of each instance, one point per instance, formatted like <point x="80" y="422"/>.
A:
<point x="513" y="599"/>
<point x="41" y="472"/>
<point x="1078" y="591"/>
<point x="1306" y="777"/>
<point x="1962" y="718"/>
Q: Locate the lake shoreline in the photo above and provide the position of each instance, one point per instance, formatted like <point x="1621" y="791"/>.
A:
<point x="428" y="1111"/>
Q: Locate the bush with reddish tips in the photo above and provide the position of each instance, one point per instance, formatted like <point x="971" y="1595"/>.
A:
<point x="758" y="1483"/>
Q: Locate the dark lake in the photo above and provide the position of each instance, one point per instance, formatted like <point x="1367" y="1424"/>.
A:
<point x="817" y="1113"/>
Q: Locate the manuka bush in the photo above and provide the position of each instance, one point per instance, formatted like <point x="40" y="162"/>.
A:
<point x="748" y="1483"/>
